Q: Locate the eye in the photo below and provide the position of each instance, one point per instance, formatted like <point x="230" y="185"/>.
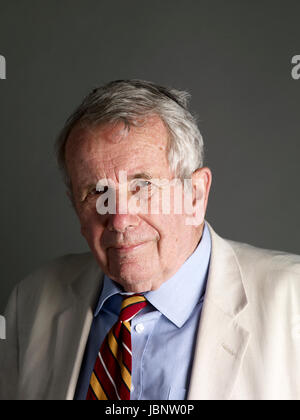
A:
<point x="140" y="186"/>
<point x="94" y="191"/>
<point x="142" y="189"/>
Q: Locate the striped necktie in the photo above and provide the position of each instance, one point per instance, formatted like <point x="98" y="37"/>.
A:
<point x="111" y="377"/>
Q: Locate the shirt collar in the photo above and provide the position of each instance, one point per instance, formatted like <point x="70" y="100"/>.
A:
<point x="110" y="288"/>
<point x="178" y="296"/>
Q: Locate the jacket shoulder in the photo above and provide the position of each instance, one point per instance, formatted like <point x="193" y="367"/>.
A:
<point x="53" y="278"/>
<point x="254" y="258"/>
<point x="268" y="273"/>
<point x="59" y="269"/>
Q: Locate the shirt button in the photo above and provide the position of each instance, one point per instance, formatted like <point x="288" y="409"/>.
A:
<point x="132" y="388"/>
<point x="139" y="328"/>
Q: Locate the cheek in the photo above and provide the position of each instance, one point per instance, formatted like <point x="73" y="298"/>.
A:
<point x="167" y="227"/>
<point x="92" y="230"/>
<point x="91" y="225"/>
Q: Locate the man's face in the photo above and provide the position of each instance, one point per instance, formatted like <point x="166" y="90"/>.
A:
<point x="138" y="250"/>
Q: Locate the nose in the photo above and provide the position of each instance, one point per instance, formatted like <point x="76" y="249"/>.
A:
<point x="121" y="222"/>
<point x="123" y="218"/>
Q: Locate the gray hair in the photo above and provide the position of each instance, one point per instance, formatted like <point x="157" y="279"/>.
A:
<point x="130" y="101"/>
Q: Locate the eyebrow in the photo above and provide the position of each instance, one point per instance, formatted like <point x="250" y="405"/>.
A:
<point x="143" y="175"/>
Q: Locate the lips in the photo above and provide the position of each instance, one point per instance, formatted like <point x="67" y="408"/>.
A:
<point x="127" y="247"/>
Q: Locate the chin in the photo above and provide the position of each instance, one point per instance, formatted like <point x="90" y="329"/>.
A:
<point x="133" y="281"/>
<point x="136" y="288"/>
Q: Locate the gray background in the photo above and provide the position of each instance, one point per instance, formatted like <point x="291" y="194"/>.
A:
<point x="233" y="56"/>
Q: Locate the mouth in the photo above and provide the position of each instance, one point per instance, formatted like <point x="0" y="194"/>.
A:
<point x="122" y="249"/>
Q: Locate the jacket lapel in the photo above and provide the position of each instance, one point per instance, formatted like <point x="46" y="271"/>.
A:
<point x="73" y="327"/>
<point x="221" y="342"/>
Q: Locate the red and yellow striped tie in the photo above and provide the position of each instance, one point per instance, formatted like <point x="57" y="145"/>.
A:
<point x="111" y="377"/>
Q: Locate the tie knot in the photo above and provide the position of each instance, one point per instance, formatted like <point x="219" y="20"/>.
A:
<point x="131" y="306"/>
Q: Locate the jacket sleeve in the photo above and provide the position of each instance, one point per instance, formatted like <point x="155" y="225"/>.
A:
<point x="9" y="352"/>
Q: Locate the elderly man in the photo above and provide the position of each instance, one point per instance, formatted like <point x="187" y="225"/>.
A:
<point x="162" y="308"/>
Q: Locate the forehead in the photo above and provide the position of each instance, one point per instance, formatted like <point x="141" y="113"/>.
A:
<point x="102" y="150"/>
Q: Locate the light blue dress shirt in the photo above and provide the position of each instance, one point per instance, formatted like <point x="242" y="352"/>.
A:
<point x="163" y="334"/>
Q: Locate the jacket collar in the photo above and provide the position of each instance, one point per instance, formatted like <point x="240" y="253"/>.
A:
<point x="221" y="341"/>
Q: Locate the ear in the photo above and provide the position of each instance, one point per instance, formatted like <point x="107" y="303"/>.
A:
<point x="201" y="183"/>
